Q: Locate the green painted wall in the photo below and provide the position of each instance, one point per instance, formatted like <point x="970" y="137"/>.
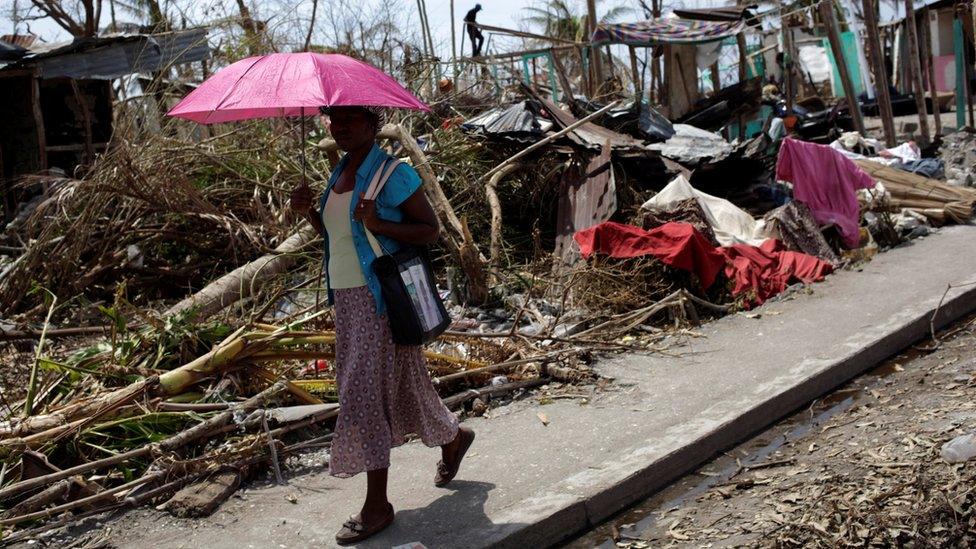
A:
<point x="848" y="43"/>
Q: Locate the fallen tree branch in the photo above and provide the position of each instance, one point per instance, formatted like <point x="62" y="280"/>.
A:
<point x="245" y="280"/>
<point x="452" y="402"/>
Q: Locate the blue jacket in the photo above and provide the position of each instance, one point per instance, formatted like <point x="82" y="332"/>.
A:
<point x="403" y="182"/>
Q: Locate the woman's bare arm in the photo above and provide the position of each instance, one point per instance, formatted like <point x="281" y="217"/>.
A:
<point x="419" y="226"/>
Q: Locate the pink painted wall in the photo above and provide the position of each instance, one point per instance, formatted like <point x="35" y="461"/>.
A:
<point x="945" y="73"/>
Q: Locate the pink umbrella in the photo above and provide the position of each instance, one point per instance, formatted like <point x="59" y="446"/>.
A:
<point x="291" y="84"/>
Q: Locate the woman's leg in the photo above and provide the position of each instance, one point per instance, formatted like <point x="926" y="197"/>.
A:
<point x="377" y="506"/>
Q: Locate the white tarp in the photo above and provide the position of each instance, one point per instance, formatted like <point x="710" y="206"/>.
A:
<point x="815" y="62"/>
<point x="691" y="144"/>
<point x="731" y="224"/>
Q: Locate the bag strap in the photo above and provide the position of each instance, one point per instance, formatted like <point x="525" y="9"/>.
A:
<point x="375" y="187"/>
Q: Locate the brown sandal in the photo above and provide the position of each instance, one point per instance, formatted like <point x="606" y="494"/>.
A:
<point x="446" y="474"/>
<point x="354" y="531"/>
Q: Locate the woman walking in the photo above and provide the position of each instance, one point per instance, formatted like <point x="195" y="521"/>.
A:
<point x="385" y="391"/>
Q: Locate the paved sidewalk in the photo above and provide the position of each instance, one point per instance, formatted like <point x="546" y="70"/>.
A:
<point x="530" y="485"/>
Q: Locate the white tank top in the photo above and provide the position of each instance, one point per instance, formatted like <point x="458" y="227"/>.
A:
<point x="344" y="268"/>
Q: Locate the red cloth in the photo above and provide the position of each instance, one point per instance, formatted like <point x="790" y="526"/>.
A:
<point x="676" y="244"/>
<point x="757" y="273"/>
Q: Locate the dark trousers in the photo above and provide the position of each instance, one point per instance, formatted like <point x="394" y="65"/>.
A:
<point x="477" y="40"/>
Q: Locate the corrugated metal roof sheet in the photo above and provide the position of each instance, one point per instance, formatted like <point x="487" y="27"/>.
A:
<point x="23" y="40"/>
<point x="10" y="52"/>
<point x="114" y="56"/>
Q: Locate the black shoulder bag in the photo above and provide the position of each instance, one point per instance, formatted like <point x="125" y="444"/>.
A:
<point x="414" y="308"/>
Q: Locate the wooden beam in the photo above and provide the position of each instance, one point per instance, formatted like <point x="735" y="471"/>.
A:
<point x="876" y="60"/>
<point x="915" y="71"/>
<point x="561" y="76"/>
<point x="833" y="35"/>
<point x="925" y="51"/>
<point x="513" y="54"/>
<point x="523" y="34"/>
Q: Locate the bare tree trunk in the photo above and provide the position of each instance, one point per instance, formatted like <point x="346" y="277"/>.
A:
<point x="91" y="24"/>
<point x="311" y="25"/>
<point x="251" y="34"/>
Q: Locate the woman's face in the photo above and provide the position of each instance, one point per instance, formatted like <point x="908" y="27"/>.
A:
<point x="351" y="127"/>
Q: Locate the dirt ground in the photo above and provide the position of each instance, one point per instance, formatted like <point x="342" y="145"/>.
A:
<point x="861" y="467"/>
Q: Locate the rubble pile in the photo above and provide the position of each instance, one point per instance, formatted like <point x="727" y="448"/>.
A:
<point x="958" y="152"/>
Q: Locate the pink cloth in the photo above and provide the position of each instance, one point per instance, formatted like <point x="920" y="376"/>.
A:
<point x="827" y="182"/>
<point x="385" y="391"/>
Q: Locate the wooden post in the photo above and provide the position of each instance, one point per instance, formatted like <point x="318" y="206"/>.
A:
<point x="833" y="36"/>
<point x="85" y="120"/>
<point x="38" y="120"/>
<point x="654" y="93"/>
<point x="740" y="40"/>
<point x="635" y="74"/>
<point x="714" y="77"/>
<point x="915" y="71"/>
<point x="453" y="40"/>
<point x="788" y="78"/>
<point x="596" y="63"/>
<point x="925" y="51"/>
<point x="876" y="59"/>
<point x="967" y="27"/>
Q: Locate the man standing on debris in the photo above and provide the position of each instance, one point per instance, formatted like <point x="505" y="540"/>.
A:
<point x="477" y="39"/>
<point x="385" y="392"/>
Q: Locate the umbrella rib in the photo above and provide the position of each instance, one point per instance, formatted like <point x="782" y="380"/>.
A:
<point x="230" y="89"/>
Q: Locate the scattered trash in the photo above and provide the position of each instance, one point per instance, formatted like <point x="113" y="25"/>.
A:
<point x="959" y="449"/>
<point x="543" y="418"/>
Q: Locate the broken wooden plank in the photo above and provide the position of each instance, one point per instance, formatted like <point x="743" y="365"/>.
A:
<point x="201" y="499"/>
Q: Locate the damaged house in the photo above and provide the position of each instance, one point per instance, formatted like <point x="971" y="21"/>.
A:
<point x="56" y="100"/>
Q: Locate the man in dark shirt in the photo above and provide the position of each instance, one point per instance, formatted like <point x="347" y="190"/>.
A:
<point x="477" y="39"/>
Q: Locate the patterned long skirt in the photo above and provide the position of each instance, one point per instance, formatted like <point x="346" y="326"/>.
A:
<point x="385" y="391"/>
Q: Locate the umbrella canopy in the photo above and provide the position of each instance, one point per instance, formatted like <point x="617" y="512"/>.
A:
<point x="291" y="84"/>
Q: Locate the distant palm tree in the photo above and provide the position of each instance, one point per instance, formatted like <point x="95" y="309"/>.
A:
<point x="568" y="20"/>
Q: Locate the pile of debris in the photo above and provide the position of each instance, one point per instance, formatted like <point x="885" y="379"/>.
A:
<point x="958" y="153"/>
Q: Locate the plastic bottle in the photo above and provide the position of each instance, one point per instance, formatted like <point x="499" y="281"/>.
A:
<point x="960" y="449"/>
